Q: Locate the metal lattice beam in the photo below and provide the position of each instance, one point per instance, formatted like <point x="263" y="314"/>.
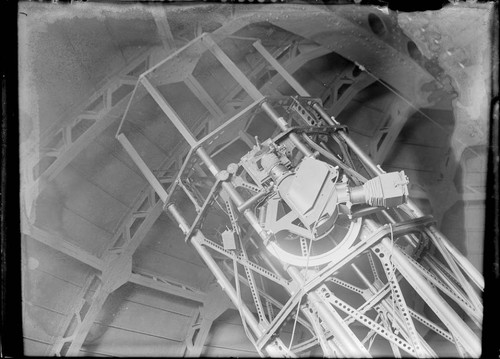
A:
<point x="117" y="268"/>
<point x="113" y="277"/>
<point x="390" y="67"/>
<point x="116" y="271"/>
<point x="61" y="245"/>
<point x="400" y="112"/>
<point x="61" y="147"/>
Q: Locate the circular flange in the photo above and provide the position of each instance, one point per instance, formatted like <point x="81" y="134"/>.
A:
<point x="294" y="252"/>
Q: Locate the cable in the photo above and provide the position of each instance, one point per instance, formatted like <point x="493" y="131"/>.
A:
<point x="295" y="324"/>
<point x="343" y="148"/>
<point x="349" y="163"/>
<point x="222" y="209"/>
<point x="332" y="191"/>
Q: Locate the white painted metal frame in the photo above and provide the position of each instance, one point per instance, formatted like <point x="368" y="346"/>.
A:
<point x="345" y="341"/>
<point x="67" y="154"/>
<point x="69" y="345"/>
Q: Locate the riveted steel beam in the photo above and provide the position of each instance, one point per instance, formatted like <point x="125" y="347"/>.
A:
<point x="400" y="112"/>
<point x="117" y="270"/>
<point x="167" y="285"/>
<point x="112" y="278"/>
<point x="59" y="148"/>
<point x="347" y="32"/>
<point x="61" y="245"/>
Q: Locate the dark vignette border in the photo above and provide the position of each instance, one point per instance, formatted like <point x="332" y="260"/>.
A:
<point x="11" y="343"/>
<point x="10" y="242"/>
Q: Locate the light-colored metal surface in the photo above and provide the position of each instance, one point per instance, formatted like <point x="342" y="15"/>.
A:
<point x="228" y="89"/>
<point x="387" y="310"/>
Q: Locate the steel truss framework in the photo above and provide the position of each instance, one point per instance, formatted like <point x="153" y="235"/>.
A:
<point x="148" y="208"/>
<point x="104" y="108"/>
<point x="397" y="264"/>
